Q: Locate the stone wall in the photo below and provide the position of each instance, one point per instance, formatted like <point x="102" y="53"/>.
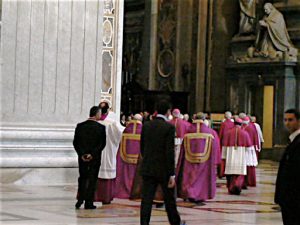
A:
<point x="225" y="26"/>
<point x="51" y="76"/>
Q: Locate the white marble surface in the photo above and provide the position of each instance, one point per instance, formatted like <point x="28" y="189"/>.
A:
<point x="50" y="56"/>
<point x="37" y="146"/>
<point x="52" y="75"/>
<point x="52" y="204"/>
<point x="39" y="176"/>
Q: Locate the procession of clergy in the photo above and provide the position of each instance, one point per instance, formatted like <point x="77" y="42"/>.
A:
<point x="201" y="154"/>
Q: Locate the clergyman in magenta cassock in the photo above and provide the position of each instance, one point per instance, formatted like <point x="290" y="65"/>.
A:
<point x="235" y="144"/>
<point x="127" y="158"/>
<point x="251" y="155"/>
<point x="198" y="163"/>
<point x="226" y="126"/>
<point x="181" y="128"/>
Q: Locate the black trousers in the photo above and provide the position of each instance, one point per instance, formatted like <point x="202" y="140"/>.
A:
<point x="87" y="181"/>
<point x="148" y="191"/>
<point x="290" y="215"/>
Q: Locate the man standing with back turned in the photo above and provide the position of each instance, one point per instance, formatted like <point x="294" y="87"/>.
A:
<point x="287" y="193"/>
<point x="89" y="141"/>
<point x="158" y="166"/>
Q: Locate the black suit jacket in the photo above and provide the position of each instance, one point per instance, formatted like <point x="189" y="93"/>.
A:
<point x="89" y="138"/>
<point x="157" y="149"/>
<point x="288" y="178"/>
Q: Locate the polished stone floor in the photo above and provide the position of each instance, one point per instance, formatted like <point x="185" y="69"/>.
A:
<point x="49" y="205"/>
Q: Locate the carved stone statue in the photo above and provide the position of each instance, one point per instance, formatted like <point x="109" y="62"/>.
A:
<point x="247" y="16"/>
<point x="272" y="39"/>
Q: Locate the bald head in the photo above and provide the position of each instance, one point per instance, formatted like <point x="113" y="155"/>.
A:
<point x="138" y="117"/>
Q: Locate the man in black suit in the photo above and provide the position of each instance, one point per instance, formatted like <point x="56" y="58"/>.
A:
<point x="287" y="193"/>
<point x="89" y="141"/>
<point x="158" y="165"/>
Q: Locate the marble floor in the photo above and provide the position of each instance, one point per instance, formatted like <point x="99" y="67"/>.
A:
<point x="54" y="205"/>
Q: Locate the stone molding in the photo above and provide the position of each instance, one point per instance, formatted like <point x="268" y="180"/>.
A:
<point x="36" y="146"/>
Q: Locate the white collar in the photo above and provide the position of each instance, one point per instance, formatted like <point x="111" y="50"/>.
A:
<point x="162" y="116"/>
<point x="294" y="135"/>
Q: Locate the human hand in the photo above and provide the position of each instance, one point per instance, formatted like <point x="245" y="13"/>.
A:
<point x="87" y="157"/>
<point x="172" y="182"/>
<point x="262" y="23"/>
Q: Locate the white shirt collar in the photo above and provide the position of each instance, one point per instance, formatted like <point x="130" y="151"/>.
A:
<point x="294" y="135"/>
<point x="162" y="116"/>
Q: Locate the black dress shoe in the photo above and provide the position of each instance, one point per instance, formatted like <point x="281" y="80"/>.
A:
<point x="78" y="204"/>
<point x="199" y="203"/>
<point x="106" y="203"/>
<point x="90" y="207"/>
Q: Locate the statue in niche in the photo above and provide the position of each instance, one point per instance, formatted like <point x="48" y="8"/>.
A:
<point x="272" y="40"/>
<point x="247" y="17"/>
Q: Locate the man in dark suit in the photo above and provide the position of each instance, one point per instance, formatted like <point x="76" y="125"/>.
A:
<point x="287" y="193"/>
<point x="89" y="141"/>
<point x="158" y="166"/>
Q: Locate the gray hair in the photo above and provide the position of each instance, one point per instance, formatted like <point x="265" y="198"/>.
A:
<point x="201" y="116"/>
<point x="228" y="115"/>
<point x="242" y="115"/>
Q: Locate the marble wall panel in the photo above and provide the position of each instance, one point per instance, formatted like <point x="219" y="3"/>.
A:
<point x="77" y="54"/>
<point x="98" y="78"/>
<point x="9" y="28"/>
<point x="51" y="60"/>
<point x="22" y="48"/>
<point x="63" y="57"/>
<point x="36" y="63"/>
<point x="50" y="53"/>
<point x="90" y="47"/>
<point x="51" y="66"/>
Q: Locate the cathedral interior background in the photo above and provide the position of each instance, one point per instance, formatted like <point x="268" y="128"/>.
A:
<point x="196" y="53"/>
<point x="60" y="57"/>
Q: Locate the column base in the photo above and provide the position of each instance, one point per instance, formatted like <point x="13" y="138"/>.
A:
<point x="26" y="146"/>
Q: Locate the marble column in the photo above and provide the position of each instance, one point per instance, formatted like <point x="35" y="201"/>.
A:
<point x="201" y="54"/>
<point x="183" y="42"/>
<point x="153" y="44"/>
<point x="51" y="76"/>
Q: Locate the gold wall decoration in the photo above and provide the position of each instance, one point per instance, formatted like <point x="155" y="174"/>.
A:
<point x="268" y="116"/>
<point x="166" y="63"/>
<point x="112" y="35"/>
